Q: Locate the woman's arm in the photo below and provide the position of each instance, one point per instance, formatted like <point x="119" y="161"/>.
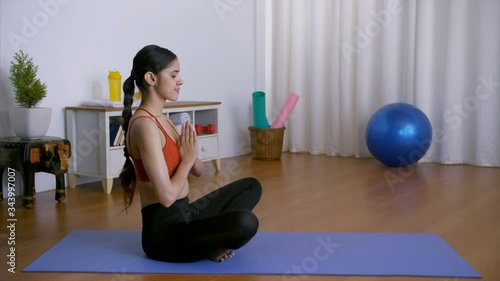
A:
<point x="198" y="168"/>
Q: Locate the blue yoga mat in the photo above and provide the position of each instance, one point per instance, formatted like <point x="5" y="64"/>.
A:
<point x="284" y="253"/>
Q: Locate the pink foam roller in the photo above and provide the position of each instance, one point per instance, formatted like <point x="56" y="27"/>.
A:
<point x="285" y="111"/>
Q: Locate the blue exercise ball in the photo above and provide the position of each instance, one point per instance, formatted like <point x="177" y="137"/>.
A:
<point x="398" y="134"/>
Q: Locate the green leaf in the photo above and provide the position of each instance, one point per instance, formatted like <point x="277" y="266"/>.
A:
<point x="29" y="90"/>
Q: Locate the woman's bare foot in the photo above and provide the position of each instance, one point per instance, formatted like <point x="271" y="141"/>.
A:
<point x="222" y="255"/>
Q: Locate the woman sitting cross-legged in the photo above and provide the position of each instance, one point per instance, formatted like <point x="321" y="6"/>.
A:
<point x="159" y="160"/>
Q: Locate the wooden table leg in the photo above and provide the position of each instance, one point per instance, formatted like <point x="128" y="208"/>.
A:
<point x="216" y="163"/>
<point x="73" y="180"/>
<point x="107" y="185"/>
<point x="28" y="184"/>
<point x="60" y="188"/>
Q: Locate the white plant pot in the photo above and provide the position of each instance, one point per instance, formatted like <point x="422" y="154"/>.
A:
<point x="30" y="123"/>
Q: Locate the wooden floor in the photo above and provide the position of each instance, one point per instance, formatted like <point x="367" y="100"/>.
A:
<point x="301" y="193"/>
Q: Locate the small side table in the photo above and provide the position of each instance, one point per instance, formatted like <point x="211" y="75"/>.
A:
<point x="29" y="156"/>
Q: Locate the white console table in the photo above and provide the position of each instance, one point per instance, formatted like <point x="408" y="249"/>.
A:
<point x="94" y="155"/>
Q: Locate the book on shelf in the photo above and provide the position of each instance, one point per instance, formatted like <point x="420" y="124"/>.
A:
<point x="113" y="132"/>
<point x="118" y="137"/>
<point x="121" y="138"/>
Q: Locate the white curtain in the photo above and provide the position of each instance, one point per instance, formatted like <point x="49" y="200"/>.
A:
<point x="347" y="58"/>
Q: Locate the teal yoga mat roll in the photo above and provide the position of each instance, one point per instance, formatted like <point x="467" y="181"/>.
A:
<point x="259" y="110"/>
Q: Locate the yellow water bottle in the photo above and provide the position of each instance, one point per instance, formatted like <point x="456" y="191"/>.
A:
<point x="115" y="86"/>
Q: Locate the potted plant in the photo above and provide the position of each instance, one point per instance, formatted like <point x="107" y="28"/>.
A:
<point x="28" y="120"/>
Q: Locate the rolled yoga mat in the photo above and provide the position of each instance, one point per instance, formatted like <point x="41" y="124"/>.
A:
<point x="285" y="111"/>
<point x="180" y="118"/>
<point x="272" y="253"/>
<point x="259" y="110"/>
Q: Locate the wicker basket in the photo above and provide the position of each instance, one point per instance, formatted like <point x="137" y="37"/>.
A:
<point x="267" y="144"/>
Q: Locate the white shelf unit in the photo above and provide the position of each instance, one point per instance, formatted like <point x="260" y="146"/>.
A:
<point x="88" y="130"/>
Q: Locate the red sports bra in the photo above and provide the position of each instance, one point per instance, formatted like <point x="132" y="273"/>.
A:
<point x="170" y="152"/>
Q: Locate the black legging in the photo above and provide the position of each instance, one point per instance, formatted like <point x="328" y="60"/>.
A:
<point x="186" y="232"/>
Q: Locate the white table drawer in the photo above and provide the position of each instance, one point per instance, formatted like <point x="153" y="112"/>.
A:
<point x="116" y="161"/>
<point x="207" y="147"/>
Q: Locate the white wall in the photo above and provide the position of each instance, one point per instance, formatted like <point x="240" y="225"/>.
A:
<point x="76" y="42"/>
